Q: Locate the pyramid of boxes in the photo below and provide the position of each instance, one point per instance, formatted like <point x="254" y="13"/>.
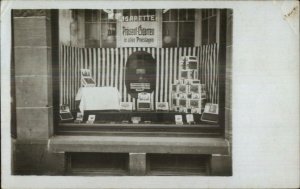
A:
<point x="188" y="94"/>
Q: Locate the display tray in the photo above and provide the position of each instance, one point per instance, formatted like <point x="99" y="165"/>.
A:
<point x="146" y="118"/>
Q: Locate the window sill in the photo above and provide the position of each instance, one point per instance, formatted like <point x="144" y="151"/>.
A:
<point x="130" y="144"/>
<point x="129" y="129"/>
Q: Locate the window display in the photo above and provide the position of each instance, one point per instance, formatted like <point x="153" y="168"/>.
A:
<point x="187" y="94"/>
<point x="150" y="81"/>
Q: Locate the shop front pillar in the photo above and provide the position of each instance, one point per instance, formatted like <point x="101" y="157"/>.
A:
<point x="33" y="73"/>
<point x="32" y="50"/>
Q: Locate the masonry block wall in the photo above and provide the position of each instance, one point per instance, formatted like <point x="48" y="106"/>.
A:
<point x="34" y="93"/>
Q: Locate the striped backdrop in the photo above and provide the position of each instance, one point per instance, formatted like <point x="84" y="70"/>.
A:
<point x="107" y="66"/>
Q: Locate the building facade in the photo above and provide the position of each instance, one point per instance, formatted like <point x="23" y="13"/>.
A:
<point x="51" y="46"/>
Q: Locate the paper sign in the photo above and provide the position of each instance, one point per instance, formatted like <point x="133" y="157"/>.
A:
<point x="189" y="118"/>
<point x="135" y="31"/>
<point x="178" y="119"/>
<point x="91" y="119"/>
<point x="79" y="117"/>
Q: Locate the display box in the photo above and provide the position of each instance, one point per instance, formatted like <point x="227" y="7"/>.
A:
<point x="175" y="108"/>
<point x="86" y="78"/>
<point x="183" y="102"/>
<point x="162" y="106"/>
<point x="188" y="63"/>
<point x="196" y="110"/>
<point x="183" y="95"/>
<point x="195" y="88"/>
<point x="144" y="101"/>
<point x="176" y="82"/>
<point x="211" y="113"/>
<point x="182" y="109"/>
<point x="197" y="81"/>
<point x="175" y="102"/>
<point x="182" y="88"/>
<point x="174" y="88"/>
<point x="194" y="103"/>
<point x="88" y="82"/>
<point x="174" y="95"/>
<point x="126" y="106"/>
<point x="196" y="96"/>
<point x="188" y="75"/>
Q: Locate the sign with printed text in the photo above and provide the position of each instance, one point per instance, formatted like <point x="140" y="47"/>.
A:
<point x="138" y="31"/>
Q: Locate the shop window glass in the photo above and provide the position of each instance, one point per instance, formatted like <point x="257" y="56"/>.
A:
<point x="126" y="12"/>
<point x="178" y="28"/>
<point x="108" y="35"/>
<point x="170" y="34"/>
<point x="151" y="11"/>
<point x="212" y="29"/>
<point x="143" y="12"/>
<point x="190" y="14"/>
<point x="100" y="31"/>
<point x="173" y="15"/>
<point x="186" y="35"/>
<point x="92" y="34"/>
<point x="204" y="32"/>
<point x="134" y="12"/>
<point x="209" y="26"/>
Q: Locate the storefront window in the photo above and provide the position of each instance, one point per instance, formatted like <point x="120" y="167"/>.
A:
<point x="100" y="29"/>
<point x="126" y="75"/>
<point x="209" y="26"/>
<point x="178" y="28"/>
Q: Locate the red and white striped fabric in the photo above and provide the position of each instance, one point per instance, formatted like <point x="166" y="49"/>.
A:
<point x="107" y="67"/>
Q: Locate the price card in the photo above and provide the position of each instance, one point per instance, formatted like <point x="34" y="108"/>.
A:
<point x="79" y="117"/>
<point x="91" y="119"/>
<point x="178" y="120"/>
<point x="189" y="118"/>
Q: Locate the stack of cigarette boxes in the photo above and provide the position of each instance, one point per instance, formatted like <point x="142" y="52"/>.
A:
<point x="188" y="94"/>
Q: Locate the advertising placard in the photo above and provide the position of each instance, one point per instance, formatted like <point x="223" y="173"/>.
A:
<point x="138" y="31"/>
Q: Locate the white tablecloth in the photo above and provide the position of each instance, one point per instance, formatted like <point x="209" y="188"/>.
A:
<point x="98" y="98"/>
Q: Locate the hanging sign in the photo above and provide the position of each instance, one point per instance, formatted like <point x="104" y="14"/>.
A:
<point x="138" y="31"/>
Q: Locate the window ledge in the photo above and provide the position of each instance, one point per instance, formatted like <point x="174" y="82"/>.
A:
<point x="121" y="144"/>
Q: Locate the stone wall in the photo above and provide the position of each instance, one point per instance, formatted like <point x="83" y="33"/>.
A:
<point x="34" y="92"/>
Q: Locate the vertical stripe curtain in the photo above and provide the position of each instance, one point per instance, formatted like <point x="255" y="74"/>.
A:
<point x="108" y="64"/>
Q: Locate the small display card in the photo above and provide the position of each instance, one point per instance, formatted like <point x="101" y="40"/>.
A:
<point x="65" y="113"/>
<point x="79" y="117"/>
<point x="189" y="118"/>
<point x="178" y="120"/>
<point x="91" y="119"/>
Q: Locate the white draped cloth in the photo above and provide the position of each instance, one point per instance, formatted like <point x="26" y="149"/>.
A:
<point x="98" y="98"/>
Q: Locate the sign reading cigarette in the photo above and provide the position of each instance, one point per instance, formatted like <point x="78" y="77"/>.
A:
<point x="138" y="31"/>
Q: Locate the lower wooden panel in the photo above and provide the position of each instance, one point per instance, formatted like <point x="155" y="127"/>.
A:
<point x="97" y="164"/>
<point x="177" y="164"/>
